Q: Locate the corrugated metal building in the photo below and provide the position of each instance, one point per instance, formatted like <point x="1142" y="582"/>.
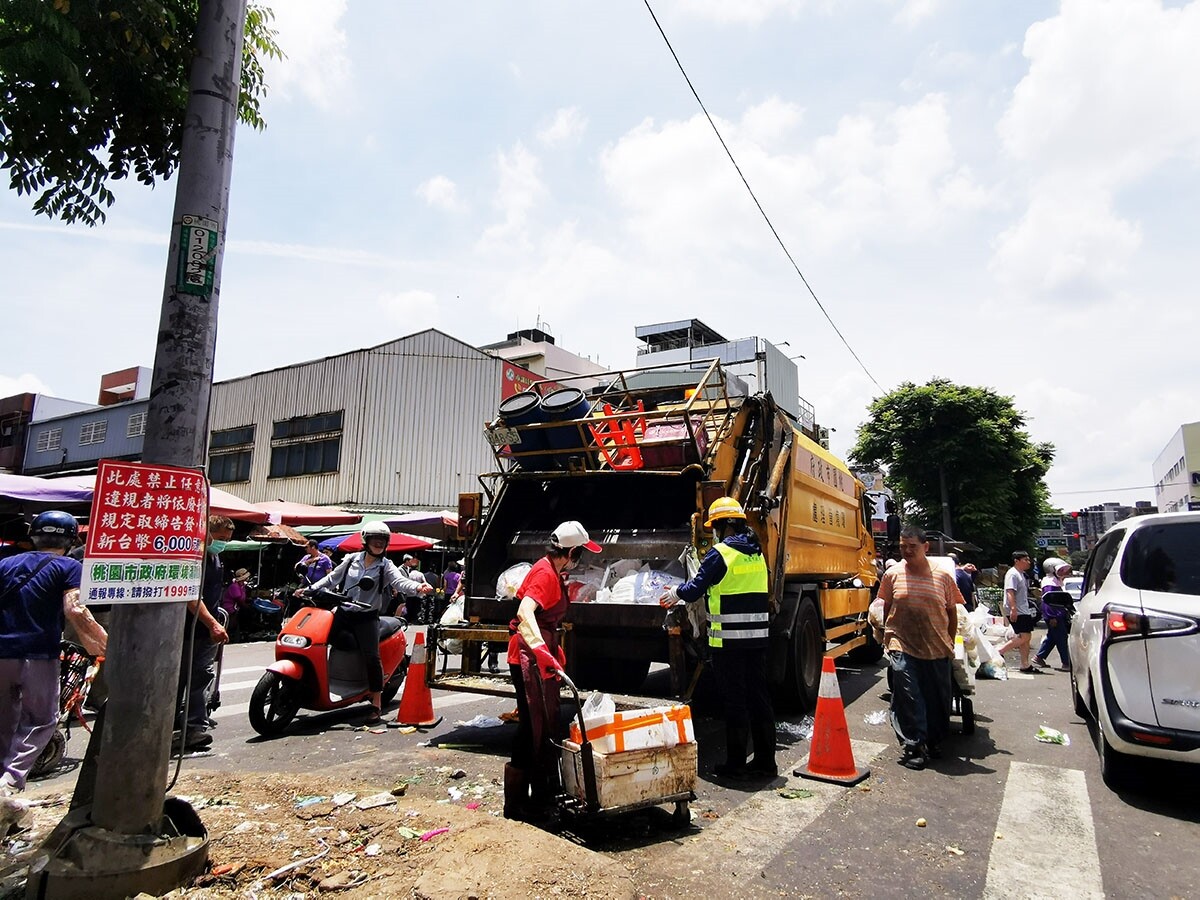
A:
<point x="399" y="425"/>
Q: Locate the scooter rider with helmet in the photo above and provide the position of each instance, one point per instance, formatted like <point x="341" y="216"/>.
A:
<point x="364" y="577"/>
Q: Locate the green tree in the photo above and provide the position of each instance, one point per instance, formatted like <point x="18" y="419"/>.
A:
<point x="976" y="438"/>
<point x="93" y="90"/>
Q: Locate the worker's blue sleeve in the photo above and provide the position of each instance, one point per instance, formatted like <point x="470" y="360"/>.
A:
<point x="712" y="570"/>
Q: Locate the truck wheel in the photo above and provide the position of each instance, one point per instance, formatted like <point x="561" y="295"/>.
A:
<point x="273" y="704"/>
<point x="804" y="661"/>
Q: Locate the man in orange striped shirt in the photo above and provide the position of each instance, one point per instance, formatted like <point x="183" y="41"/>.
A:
<point x="920" y="621"/>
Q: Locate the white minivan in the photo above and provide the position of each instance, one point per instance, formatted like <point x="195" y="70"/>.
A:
<point x="1135" y="642"/>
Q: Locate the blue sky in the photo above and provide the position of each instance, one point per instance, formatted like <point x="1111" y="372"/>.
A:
<point x="1003" y="194"/>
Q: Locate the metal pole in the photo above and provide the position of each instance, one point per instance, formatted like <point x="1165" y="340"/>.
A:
<point x="945" y="503"/>
<point x="145" y="641"/>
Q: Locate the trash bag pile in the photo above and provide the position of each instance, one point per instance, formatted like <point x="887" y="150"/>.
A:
<point x="629" y="581"/>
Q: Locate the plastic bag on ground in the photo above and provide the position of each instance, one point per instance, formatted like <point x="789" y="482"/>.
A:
<point x="1048" y="735"/>
<point x="878" y="717"/>
<point x="481" y="721"/>
<point x="801" y="730"/>
<point x="994" y="671"/>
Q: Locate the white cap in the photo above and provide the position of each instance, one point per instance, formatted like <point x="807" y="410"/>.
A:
<point x="572" y="534"/>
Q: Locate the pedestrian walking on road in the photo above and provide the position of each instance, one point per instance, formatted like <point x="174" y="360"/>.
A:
<point x="733" y="575"/>
<point x="920" y="621"/>
<point x="39" y="594"/>
<point x="1020" y="609"/>
<point x="1058" y="619"/>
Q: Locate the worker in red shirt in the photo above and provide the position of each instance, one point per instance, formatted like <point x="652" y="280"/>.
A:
<point x="534" y="657"/>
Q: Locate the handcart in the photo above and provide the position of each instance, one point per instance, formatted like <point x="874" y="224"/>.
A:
<point x="962" y="689"/>
<point x="602" y="784"/>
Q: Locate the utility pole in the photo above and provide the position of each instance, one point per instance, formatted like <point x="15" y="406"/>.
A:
<point x="145" y="640"/>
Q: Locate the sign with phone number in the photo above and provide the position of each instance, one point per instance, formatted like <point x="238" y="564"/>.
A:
<point x="146" y="534"/>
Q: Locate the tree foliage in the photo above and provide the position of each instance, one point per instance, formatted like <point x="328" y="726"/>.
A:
<point x="94" y="90"/>
<point x="977" y="439"/>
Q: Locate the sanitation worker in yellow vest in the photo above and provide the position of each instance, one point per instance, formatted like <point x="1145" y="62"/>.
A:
<point x="733" y="575"/>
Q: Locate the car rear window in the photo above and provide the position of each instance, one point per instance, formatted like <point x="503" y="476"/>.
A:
<point x="1164" y="558"/>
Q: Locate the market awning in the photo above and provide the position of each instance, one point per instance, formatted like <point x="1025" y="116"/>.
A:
<point x="277" y="534"/>
<point x="290" y="513"/>
<point x="32" y="489"/>
<point x="398" y="543"/>
<point x="441" y="526"/>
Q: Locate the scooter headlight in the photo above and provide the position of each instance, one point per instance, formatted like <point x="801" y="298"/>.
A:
<point x="294" y="640"/>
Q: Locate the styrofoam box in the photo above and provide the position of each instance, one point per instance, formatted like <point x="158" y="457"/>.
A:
<point x="633" y="777"/>
<point x="638" y="729"/>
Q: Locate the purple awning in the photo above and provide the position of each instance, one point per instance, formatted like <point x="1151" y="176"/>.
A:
<point x="30" y="489"/>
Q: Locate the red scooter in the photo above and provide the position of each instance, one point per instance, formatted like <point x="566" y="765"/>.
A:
<point x="318" y="665"/>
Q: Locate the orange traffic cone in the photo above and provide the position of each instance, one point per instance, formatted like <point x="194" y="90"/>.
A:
<point x="831" y="758"/>
<point x="416" y="705"/>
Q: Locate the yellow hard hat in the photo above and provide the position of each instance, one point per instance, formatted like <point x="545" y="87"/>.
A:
<point x="725" y="508"/>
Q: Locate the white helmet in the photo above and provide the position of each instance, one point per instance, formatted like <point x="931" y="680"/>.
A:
<point x="1052" y="564"/>
<point x="572" y="534"/>
<point x="375" y="528"/>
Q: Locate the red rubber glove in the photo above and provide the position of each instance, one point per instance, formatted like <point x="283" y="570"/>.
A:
<point x="546" y="661"/>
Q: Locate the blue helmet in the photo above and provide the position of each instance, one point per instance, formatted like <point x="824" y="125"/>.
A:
<point x="55" y="523"/>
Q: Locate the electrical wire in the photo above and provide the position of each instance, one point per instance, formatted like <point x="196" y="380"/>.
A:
<point x="753" y="197"/>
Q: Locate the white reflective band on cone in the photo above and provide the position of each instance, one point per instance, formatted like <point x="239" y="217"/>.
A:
<point x="418" y="655"/>
<point x="829" y="686"/>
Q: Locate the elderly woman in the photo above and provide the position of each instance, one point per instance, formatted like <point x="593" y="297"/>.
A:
<point x="1058" y="620"/>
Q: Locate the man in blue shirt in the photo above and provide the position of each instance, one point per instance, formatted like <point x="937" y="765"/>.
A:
<point x="39" y="592"/>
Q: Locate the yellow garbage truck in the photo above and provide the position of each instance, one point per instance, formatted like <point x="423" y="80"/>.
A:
<point x="638" y="458"/>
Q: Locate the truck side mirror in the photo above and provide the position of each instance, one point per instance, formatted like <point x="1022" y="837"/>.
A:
<point x="470" y="506"/>
<point x="893" y="529"/>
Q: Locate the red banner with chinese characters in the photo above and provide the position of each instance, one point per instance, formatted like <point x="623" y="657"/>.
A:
<point x="146" y="534"/>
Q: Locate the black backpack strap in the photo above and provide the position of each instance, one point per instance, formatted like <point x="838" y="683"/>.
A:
<point x="14" y="588"/>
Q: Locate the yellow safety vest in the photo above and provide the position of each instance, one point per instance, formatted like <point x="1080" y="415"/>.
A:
<point x="738" y="609"/>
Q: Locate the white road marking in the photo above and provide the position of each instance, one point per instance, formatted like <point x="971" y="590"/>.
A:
<point x="761" y="827"/>
<point x="238" y="685"/>
<point x="224" y="712"/>
<point x="1044" y="806"/>
<point x="242" y="670"/>
<point x="445" y="701"/>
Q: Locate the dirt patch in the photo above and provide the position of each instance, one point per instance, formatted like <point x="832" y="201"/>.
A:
<point x="435" y="835"/>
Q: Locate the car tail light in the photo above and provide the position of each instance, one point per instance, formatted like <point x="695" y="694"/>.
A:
<point x="1122" y="622"/>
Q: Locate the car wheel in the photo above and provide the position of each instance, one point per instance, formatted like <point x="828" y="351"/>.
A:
<point x="1114" y="765"/>
<point x="1081" y="708"/>
<point x="273" y="704"/>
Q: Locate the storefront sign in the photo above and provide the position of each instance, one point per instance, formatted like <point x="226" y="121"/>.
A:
<point x="145" y="535"/>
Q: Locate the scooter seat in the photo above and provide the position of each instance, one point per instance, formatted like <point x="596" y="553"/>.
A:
<point x="389" y="625"/>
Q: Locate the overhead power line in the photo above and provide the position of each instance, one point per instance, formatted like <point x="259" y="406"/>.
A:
<point x="753" y="197"/>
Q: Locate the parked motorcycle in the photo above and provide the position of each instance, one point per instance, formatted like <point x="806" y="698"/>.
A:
<point x="318" y="665"/>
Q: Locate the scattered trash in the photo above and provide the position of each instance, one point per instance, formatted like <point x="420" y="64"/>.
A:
<point x="999" y="836"/>
<point x="954" y="850"/>
<point x="795" y="793"/>
<point x="709" y="814"/>
<point x="375" y="800"/>
<point x="308" y="801"/>
<point x="291" y="867"/>
<point x="878" y="717"/>
<point x="400" y="790"/>
<point x="227" y="869"/>
<point x="382" y="729"/>
<point x="408" y="833"/>
<point x="430" y="835"/>
<point x="341" y="881"/>
<point x="1052" y="736"/>
<point x="263" y="806"/>
<point x="992" y="671"/>
<point x="373" y="849"/>
<point x="482" y="721"/>
<point x="343" y="798"/>
<point x="458" y="773"/>
<point x="921" y="823"/>
<point x="474" y="804"/>
<point x="407" y="729"/>
<point x="455" y="793"/>
<point x="865" y="788"/>
<point x="801" y="730"/>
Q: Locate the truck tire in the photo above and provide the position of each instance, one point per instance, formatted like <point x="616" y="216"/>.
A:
<point x="807" y="650"/>
<point x="870" y="652"/>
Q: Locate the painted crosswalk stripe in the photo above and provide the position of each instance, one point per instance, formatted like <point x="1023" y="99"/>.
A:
<point x="242" y="670"/>
<point x="1044" y="806"/>
<point x="761" y="827"/>
<point x="238" y="685"/>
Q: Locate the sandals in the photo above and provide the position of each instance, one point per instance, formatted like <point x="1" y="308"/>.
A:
<point x="375" y="717"/>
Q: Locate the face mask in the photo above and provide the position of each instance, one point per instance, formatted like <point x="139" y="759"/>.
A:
<point x="217" y="546"/>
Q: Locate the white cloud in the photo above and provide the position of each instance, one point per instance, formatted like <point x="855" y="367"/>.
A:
<point x="913" y="12"/>
<point x="317" y="63"/>
<point x="744" y="12"/>
<point x="22" y="384"/>
<point x="519" y="189"/>
<point x="891" y="172"/>
<point x="1109" y="96"/>
<point x="413" y="310"/>
<point x="440" y="192"/>
<point x="568" y="124"/>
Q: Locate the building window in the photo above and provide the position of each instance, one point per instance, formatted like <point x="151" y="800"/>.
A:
<point x="137" y="425"/>
<point x="231" y="454"/>
<point x="50" y="439"/>
<point x="93" y="432"/>
<point x="306" y="445"/>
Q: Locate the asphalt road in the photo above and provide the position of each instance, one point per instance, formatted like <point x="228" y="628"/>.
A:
<point x="1006" y="816"/>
